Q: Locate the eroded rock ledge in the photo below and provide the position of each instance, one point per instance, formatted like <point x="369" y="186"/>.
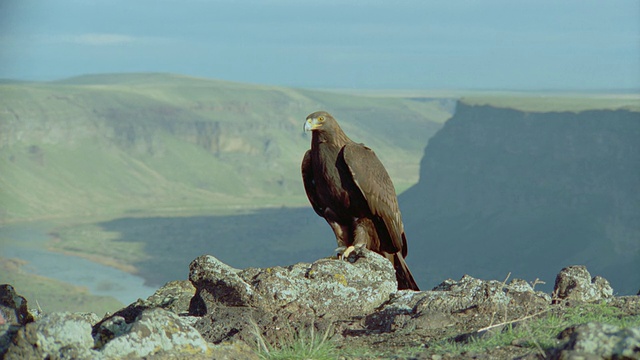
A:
<point x="221" y="312"/>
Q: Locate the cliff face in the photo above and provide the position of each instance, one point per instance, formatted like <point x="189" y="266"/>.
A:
<point x="504" y="191"/>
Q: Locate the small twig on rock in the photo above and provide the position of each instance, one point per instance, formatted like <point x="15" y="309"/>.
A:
<point x="493" y="315"/>
<point x="505" y="279"/>
<point x="536" y="282"/>
<point x="513" y="321"/>
<point x="504" y="283"/>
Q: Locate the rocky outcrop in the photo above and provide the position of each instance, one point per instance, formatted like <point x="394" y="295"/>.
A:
<point x="574" y="283"/>
<point x="228" y="313"/>
<point x="327" y="287"/>
<point x="237" y="303"/>
<point x="142" y="337"/>
<point x="13" y="307"/>
<point x="599" y="341"/>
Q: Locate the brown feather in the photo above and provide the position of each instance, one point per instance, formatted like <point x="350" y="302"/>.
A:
<point x="347" y="185"/>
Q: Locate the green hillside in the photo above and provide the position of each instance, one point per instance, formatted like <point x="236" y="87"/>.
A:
<point x="110" y="144"/>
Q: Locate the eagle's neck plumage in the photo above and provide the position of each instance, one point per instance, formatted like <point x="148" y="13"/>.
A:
<point x="336" y="138"/>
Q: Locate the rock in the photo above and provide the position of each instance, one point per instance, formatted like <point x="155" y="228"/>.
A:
<point x="108" y="327"/>
<point x="154" y="331"/>
<point x="599" y="341"/>
<point x="487" y="296"/>
<point x="55" y="336"/>
<point x="630" y="305"/>
<point x="411" y="311"/>
<point x="237" y="350"/>
<point x="574" y="283"/>
<point x="13" y="307"/>
<point x="353" y="303"/>
<point x="278" y="302"/>
<point x="250" y="325"/>
<point x="138" y="330"/>
<point x="329" y="288"/>
<point x="68" y="336"/>
<point x="14" y="313"/>
<point x="217" y="284"/>
<point x="7" y="334"/>
<point x="174" y="296"/>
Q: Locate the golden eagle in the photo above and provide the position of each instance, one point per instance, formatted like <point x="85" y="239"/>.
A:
<point x="349" y="187"/>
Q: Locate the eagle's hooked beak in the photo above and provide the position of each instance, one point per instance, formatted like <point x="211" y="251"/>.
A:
<point x="310" y="124"/>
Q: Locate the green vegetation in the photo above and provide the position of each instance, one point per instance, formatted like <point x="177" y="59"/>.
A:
<point x="546" y="102"/>
<point x="538" y="334"/>
<point x="535" y="335"/>
<point x="105" y="247"/>
<point x="300" y="344"/>
<point x="104" y="145"/>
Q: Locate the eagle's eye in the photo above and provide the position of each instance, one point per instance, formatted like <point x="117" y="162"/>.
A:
<point x="320" y="118"/>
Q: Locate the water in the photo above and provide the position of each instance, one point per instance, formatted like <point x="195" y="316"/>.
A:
<point x="27" y="242"/>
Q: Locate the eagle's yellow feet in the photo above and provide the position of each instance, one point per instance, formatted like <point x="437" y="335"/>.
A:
<point x="344" y="251"/>
<point x="339" y="251"/>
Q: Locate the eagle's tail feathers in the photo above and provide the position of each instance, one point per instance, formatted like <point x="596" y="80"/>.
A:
<point x="403" y="274"/>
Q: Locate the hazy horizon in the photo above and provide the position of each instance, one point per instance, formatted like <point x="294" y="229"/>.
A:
<point x="495" y="44"/>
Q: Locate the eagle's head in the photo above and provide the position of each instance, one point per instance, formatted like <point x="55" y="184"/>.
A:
<point x="320" y="121"/>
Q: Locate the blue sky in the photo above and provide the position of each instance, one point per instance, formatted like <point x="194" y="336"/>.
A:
<point x="413" y="44"/>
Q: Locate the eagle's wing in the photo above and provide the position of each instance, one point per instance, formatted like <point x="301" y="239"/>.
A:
<point x="309" y="183"/>
<point x="374" y="182"/>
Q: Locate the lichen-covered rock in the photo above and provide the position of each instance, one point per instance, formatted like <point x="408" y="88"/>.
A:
<point x="236" y="350"/>
<point x="328" y="287"/>
<point x="331" y="288"/>
<point x="277" y="302"/>
<point x="68" y="336"/>
<point x="55" y="336"/>
<point x="413" y="311"/>
<point x="350" y="302"/>
<point x="574" y="283"/>
<point x="238" y="323"/>
<point x="174" y="296"/>
<point x="13" y="307"/>
<point x="491" y="295"/>
<point x="13" y="314"/>
<point x="155" y="331"/>
<point x="217" y="284"/>
<point x="602" y="341"/>
<point x="630" y="304"/>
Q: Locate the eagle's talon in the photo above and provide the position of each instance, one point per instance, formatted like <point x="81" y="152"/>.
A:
<point x="339" y="251"/>
<point x="347" y="252"/>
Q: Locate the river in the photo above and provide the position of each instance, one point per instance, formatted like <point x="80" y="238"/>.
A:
<point x="27" y="241"/>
